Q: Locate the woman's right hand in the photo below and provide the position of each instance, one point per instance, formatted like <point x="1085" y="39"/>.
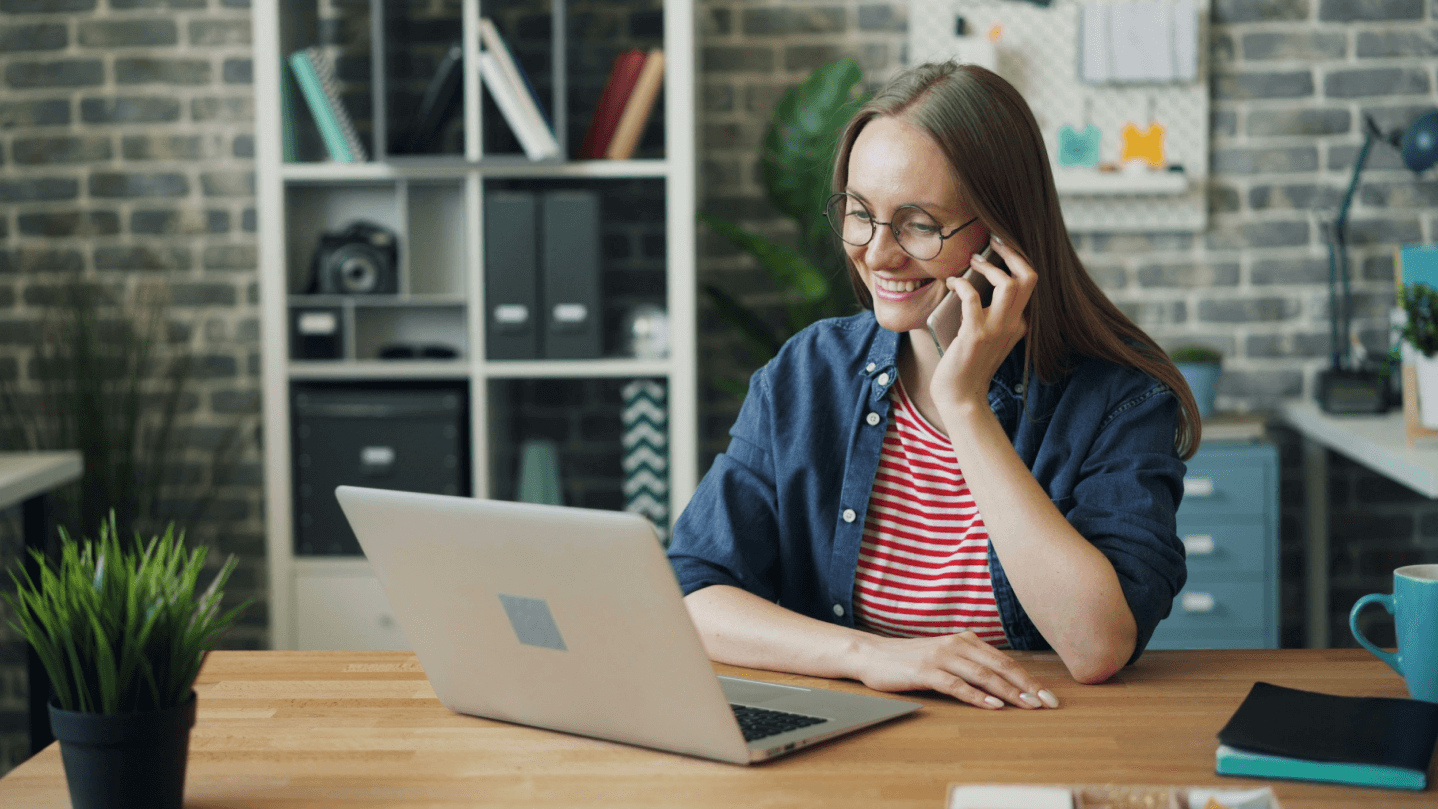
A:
<point x="962" y="666"/>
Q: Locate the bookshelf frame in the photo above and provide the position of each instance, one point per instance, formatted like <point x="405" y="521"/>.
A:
<point x="355" y="619"/>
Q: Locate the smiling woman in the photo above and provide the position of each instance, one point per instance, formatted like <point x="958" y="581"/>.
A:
<point x="897" y="515"/>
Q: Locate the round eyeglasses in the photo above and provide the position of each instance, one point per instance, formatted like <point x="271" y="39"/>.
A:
<point x="918" y="233"/>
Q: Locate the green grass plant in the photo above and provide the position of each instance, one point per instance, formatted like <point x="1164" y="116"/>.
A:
<point x="121" y="628"/>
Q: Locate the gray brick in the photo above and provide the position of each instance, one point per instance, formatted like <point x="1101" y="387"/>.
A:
<point x="238" y="71"/>
<point x="45" y="6"/>
<point x="205" y="294"/>
<point x="69" y="223"/>
<point x="646" y="24"/>
<point x="1382" y="81"/>
<point x="133" y="33"/>
<point x="1222" y="198"/>
<point x="1340" y="158"/>
<point x="1270" y="346"/>
<point x="228" y="183"/>
<point x="38" y="37"/>
<point x="716" y="97"/>
<point x="134" y="110"/>
<point x="1369" y="10"/>
<point x="231" y="110"/>
<point x="236" y="402"/>
<point x="162" y="71"/>
<point x="37" y="189"/>
<point x="1285" y="84"/>
<point x="230" y="257"/>
<point x="811" y="57"/>
<point x="142" y="257"/>
<point x="1378" y="268"/>
<point x="60" y="73"/>
<point x="121" y="184"/>
<point x="1289" y="271"/>
<point x="41" y="112"/>
<point x="1188" y="275"/>
<point x="126" y="5"/>
<point x="1384" y="231"/>
<point x="248" y="221"/>
<point x="1274" y="123"/>
<point x="243" y="146"/>
<point x="883" y="18"/>
<point x="1422" y="42"/>
<point x="218" y="33"/>
<point x="1399" y="195"/>
<point x="1151" y="314"/>
<point x="737" y="59"/>
<point x="1300" y="197"/>
<point x="1232" y="11"/>
<point x="34" y="260"/>
<point x="1306" y="45"/>
<point x="1107" y="276"/>
<point x="1223" y="123"/>
<point x="217" y="221"/>
<point x="159" y="221"/>
<point x="1265" y="387"/>
<point x="1265" y="161"/>
<point x="715" y="22"/>
<point x="1139" y="243"/>
<point x="162" y="147"/>
<point x="789" y="19"/>
<point x="78" y="149"/>
<point x="1249" y="310"/>
<point x="1260" y="233"/>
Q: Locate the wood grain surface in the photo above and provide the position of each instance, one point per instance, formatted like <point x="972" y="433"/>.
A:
<point x="363" y="729"/>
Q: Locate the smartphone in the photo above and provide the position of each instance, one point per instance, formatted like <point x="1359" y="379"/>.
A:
<point x="943" y="323"/>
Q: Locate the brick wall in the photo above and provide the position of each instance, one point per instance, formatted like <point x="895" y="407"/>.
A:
<point x="126" y="152"/>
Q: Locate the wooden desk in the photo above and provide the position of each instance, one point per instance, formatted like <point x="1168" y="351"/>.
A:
<point x="363" y="729"/>
<point x="27" y="478"/>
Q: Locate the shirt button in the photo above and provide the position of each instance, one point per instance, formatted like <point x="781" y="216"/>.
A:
<point x="849" y="515"/>
<point x="870" y="367"/>
<point x="839" y="610"/>
<point x="873" y="419"/>
<point x="883" y="379"/>
<point x="1019" y="388"/>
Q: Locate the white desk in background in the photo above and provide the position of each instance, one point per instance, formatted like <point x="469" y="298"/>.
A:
<point x="27" y="478"/>
<point x="1379" y="443"/>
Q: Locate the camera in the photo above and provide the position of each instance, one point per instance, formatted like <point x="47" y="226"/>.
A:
<point x="362" y="259"/>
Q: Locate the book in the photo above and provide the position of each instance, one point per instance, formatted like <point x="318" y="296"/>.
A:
<point x="617" y="87"/>
<point x="316" y="78"/>
<point x="637" y="108"/>
<point x="569" y="272"/>
<point x="506" y="96"/>
<point x="1279" y="732"/>
<point x="524" y="89"/>
<point x="511" y="275"/>
<point x="440" y="102"/>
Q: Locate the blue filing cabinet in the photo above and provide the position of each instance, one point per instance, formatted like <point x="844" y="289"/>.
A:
<point x="1228" y="522"/>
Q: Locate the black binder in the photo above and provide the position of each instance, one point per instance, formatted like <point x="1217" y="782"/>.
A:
<point x="570" y="269"/>
<point x="511" y="276"/>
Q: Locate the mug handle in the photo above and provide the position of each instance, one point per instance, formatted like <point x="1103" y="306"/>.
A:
<point x="1386" y="602"/>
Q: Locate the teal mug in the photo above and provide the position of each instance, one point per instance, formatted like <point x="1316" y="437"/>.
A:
<point x="1414" y="607"/>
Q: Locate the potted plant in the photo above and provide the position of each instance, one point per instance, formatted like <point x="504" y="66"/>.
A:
<point x="1201" y="366"/>
<point x="1420" y="331"/>
<point x="122" y="632"/>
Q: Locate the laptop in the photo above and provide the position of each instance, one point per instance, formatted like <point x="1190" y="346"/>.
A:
<point x="571" y="619"/>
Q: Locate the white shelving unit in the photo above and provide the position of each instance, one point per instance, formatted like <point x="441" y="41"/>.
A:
<point x="436" y="205"/>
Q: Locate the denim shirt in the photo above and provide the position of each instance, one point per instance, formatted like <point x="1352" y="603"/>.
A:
<point x="781" y="512"/>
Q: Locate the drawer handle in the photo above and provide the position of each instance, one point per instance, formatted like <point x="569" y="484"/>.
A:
<point x="1198" y="487"/>
<point x="1197" y="602"/>
<point x="1199" y="544"/>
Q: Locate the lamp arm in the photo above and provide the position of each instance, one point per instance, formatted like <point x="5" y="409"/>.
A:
<point x="1340" y="319"/>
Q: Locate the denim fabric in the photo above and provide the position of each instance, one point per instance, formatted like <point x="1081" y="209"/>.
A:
<point x="781" y="513"/>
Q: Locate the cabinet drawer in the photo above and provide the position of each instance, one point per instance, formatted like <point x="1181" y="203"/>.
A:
<point x="1167" y="636"/>
<point x="1219" y="606"/>
<point x="345" y="612"/>
<point x="1220" y="548"/>
<point x="1225" y="490"/>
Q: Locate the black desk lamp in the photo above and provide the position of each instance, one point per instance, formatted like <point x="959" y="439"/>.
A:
<point x="1344" y="388"/>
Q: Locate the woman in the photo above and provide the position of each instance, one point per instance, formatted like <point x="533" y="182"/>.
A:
<point x="894" y="514"/>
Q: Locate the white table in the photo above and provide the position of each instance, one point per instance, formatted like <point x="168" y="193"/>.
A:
<point x="1379" y="443"/>
<point x="27" y="478"/>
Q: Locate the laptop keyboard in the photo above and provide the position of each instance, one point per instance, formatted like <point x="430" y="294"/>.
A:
<point x="761" y="723"/>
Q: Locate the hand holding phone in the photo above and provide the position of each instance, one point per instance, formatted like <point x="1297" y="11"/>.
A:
<point x="943" y="324"/>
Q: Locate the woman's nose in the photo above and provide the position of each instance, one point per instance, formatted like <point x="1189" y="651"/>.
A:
<point x="883" y="249"/>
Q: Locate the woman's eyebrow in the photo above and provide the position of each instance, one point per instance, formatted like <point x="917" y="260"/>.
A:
<point x="926" y="207"/>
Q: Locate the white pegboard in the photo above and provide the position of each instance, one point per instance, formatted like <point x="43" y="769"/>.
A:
<point x="1038" y="53"/>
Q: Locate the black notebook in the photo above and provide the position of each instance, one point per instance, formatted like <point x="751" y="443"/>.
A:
<point x="1282" y="732"/>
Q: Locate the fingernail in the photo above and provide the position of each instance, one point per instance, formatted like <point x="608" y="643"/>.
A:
<point x="1031" y="699"/>
<point x="978" y="257"/>
<point x="1049" y="699"/>
<point x="996" y="238"/>
<point x="994" y="701"/>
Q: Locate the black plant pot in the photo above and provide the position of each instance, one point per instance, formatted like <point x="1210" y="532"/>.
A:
<point x="119" y="761"/>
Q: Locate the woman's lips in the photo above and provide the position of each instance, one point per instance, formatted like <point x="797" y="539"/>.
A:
<point x="899" y="290"/>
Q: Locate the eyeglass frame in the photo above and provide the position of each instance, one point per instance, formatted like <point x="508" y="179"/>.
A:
<point x="874" y="226"/>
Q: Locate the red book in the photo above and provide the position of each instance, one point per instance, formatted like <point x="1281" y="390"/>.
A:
<point x="617" y="88"/>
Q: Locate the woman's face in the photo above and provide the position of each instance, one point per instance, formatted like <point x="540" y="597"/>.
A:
<point x="893" y="164"/>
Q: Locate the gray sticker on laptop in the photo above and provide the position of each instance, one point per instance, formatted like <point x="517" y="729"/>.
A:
<point x="533" y="624"/>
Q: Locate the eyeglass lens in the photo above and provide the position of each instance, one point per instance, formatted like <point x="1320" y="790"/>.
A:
<point x="917" y="232"/>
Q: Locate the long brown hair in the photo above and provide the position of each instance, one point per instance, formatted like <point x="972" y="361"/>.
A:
<point x="1001" y="167"/>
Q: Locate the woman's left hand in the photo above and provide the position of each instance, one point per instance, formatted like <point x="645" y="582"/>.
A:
<point x="987" y="333"/>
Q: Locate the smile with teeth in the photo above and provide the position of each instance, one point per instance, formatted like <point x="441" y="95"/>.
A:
<point x="901" y="286"/>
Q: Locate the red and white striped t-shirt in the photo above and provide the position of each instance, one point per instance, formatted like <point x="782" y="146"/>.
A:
<point x="924" y="560"/>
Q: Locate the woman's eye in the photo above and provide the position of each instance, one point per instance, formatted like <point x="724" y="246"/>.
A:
<point x="861" y="215"/>
<point x="923" y="228"/>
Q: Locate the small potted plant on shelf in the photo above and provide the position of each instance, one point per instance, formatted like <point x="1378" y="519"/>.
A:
<point x="1202" y="367"/>
<point x="1420" y="331"/>
<point x="122" y="632"/>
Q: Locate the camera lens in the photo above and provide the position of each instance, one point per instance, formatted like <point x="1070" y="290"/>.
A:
<point x="359" y="271"/>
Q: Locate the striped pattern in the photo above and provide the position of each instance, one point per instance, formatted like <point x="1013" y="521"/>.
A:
<point x="646" y="452"/>
<point x="924" y="561"/>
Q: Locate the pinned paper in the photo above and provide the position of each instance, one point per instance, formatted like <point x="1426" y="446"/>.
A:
<point x="996" y="33"/>
<point x="1078" y="148"/>
<point x="1150" y="41"/>
<point x="1146" y="146"/>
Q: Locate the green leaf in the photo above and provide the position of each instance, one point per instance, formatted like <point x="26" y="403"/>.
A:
<point x="790" y="270"/>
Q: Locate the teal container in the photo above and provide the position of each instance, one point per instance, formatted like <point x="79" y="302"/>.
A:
<point x="1203" y="381"/>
